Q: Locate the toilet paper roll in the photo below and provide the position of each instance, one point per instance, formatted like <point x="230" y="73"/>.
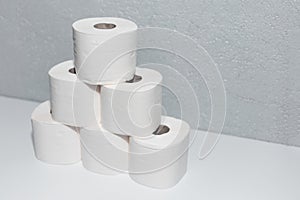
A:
<point x="54" y="142"/>
<point x="160" y="161"/>
<point x="104" y="49"/>
<point x="133" y="108"/>
<point x="103" y="152"/>
<point x="73" y="102"/>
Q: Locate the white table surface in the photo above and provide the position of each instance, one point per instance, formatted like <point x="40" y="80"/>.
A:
<point x="238" y="169"/>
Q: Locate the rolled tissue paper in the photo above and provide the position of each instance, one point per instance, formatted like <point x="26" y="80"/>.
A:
<point x="54" y="142"/>
<point x="103" y="152"/>
<point x="133" y="108"/>
<point x="160" y="161"/>
<point x="73" y="102"/>
<point x="104" y="49"/>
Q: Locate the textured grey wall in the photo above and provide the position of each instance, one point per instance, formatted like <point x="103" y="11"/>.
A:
<point x="256" y="45"/>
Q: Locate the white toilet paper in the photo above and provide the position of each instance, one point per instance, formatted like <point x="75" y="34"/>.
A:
<point x="54" y="142"/>
<point x="104" y="49"/>
<point x="103" y="152"/>
<point x="133" y="108"/>
<point x="73" y="102"/>
<point x="160" y="161"/>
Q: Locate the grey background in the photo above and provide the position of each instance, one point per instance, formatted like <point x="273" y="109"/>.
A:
<point x="256" y="45"/>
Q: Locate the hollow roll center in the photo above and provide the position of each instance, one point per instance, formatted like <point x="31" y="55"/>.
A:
<point x="104" y="26"/>
<point x="135" y="79"/>
<point x="162" y="129"/>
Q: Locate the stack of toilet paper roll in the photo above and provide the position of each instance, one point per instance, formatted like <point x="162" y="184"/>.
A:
<point x="106" y="112"/>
